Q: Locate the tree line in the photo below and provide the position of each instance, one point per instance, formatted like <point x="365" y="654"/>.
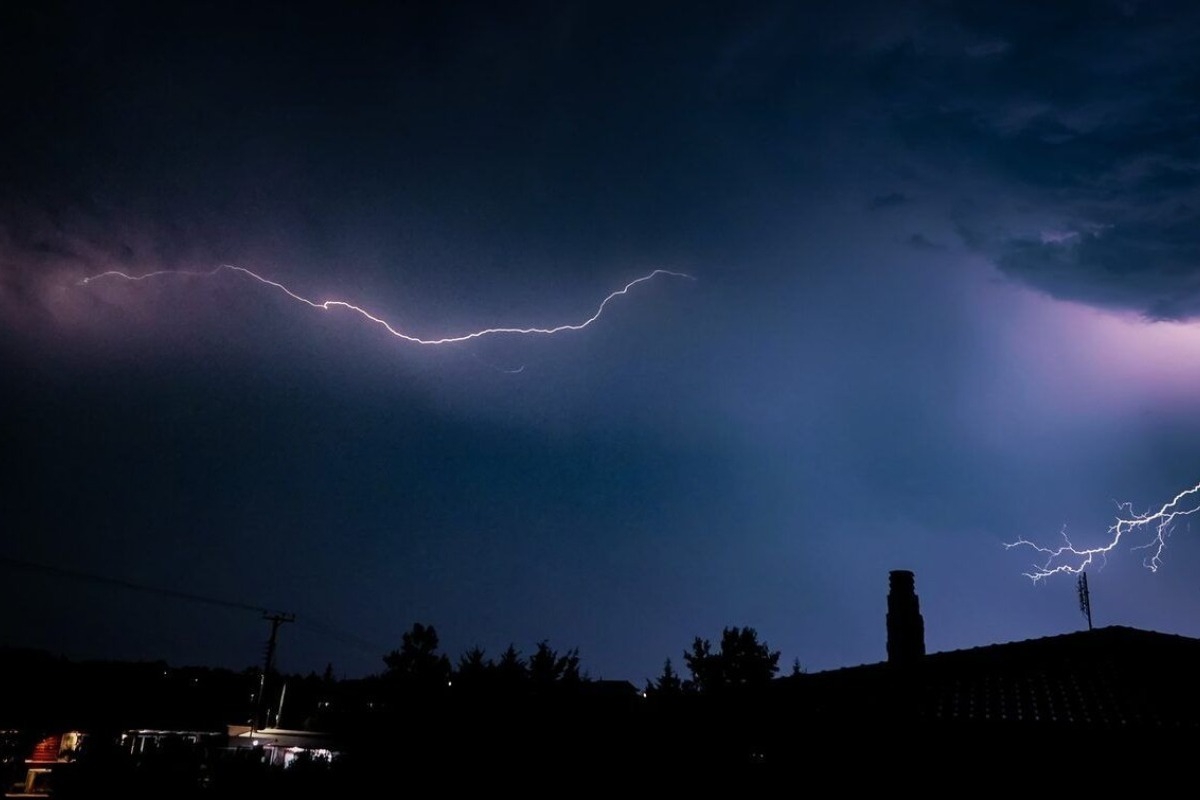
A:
<point x="737" y="660"/>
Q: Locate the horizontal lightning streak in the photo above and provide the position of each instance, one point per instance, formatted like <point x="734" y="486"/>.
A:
<point x="327" y="305"/>
<point x="1157" y="524"/>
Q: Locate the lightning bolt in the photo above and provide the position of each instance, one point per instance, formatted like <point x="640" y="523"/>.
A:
<point x="328" y="305"/>
<point x="1154" y="526"/>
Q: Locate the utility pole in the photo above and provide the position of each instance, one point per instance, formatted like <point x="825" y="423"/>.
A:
<point x="1085" y="599"/>
<point x="262" y="715"/>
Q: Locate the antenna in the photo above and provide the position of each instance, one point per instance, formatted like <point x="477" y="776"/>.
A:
<point x="1085" y="599"/>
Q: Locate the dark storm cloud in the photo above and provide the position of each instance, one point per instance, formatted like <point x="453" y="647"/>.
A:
<point x="919" y="241"/>
<point x="840" y="392"/>
<point x="1079" y="122"/>
<point x="400" y="127"/>
<point x="889" y="200"/>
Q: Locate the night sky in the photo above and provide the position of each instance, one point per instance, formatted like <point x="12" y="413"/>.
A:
<point x="946" y="263"/>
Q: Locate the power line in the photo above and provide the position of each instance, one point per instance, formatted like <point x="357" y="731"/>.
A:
<point x="124" y="584"/>
<point x="366" y="645"/>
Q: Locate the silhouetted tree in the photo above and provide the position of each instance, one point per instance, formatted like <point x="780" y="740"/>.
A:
<point x="547" y="667"/>
<point x="569" y="672"/>
<point x="417" y="662"/>
<point x="668" y="684"/>
<point x="475" y="670"/>
<point x="511" y="669"/>
<point x="747" y="661"/>
<point x="741" y="661"/>
<point x="796" y="668"/>
<point x="473" y="662"/>
<point x="704" y="666"/>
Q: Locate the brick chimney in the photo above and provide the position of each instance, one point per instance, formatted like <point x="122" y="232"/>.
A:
<point x="905" y="627"/>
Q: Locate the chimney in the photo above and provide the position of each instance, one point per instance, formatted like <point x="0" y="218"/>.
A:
<point x="905" y="627"/>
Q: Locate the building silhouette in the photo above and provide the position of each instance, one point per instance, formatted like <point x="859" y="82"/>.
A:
<point x="1114" y="697"/>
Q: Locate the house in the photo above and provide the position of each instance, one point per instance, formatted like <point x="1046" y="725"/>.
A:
<point x="281" y="747"/>
<point x="1114" y="693"/>
<point x="48" y="754"/>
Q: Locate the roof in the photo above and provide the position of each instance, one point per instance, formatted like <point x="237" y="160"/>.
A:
<point x="1113" y="678"/>
<point x="282" y="737"/>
